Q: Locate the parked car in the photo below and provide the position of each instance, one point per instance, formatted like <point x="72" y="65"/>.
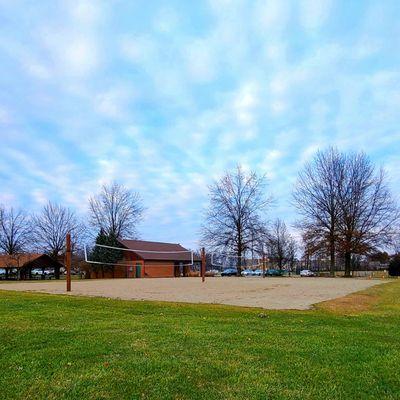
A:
<point x="258" y="272"/>
<point x="229" y="272"/>
<point x="39" y="271"/>
<point x="274" y="272"/>
<point x="247" y="272"/>
<point x="306" y="272"/>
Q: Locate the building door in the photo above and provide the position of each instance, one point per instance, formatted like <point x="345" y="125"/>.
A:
<point x="177" y="271"/>
<point x="138" y="270"/>
<point x="130" y="271"/>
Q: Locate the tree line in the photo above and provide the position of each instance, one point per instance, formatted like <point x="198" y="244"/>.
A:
<point x="343" y="201"/>
<point x="114" y="212"/>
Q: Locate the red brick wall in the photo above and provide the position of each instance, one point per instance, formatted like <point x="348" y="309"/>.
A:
<point x="149" y="269"/>
<point x="159" y="269"/>
<point x="119" y="272"/>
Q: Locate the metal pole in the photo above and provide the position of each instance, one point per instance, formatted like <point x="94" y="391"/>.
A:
<point x="68" y="260"/>
<point x="203" y="264"/>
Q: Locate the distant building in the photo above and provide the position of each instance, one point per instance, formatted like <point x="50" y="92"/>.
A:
<point x="25" y="265"/>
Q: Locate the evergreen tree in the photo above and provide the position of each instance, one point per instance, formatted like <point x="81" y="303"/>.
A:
<point x="104" y="255"/>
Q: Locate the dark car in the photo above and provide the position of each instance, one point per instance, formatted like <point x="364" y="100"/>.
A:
<point x="274" y="272"/>
<point x="229" y="272"/>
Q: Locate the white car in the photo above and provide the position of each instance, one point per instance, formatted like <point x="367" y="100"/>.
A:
<point x="247" y="272"/>
<point x="39" y="271"/>
<point x="306" y="272"/>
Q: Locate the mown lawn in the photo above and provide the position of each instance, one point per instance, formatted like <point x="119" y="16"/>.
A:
<point x="60" y="347"/>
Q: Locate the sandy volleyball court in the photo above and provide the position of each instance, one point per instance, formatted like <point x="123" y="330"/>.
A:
<point x="269" y="293"/>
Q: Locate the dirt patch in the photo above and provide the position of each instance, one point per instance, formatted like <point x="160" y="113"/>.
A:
<point x="269" y="293"/>
<point x="351" y="304"/>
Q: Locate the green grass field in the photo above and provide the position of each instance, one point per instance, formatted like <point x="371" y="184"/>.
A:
<point x="60" y="347"/>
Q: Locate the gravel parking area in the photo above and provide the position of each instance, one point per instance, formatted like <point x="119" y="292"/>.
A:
<point x="268" y="293"/>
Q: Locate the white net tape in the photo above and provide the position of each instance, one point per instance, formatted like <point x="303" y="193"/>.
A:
<point x="225" y="260"/>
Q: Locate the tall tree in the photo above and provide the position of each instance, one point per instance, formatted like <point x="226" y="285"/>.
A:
<point x="116" y="210"/>
<point x="368" y="213"/>
<point x="15" y="231"/>
<point x="281" y="246"/>
<point x="235" y="213"/>
<point x="346" y="205"/>
<point x="50" y="228"/>
<point x="315" y="196"/>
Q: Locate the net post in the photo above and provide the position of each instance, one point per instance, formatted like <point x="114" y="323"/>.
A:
<point x="203" y="264"/>
<point x="263" y="265"/>
<point x="68" y="260"/>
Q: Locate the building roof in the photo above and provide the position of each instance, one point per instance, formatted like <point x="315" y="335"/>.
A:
<point x="23" y="260"/>
<point x="158" y="250"/>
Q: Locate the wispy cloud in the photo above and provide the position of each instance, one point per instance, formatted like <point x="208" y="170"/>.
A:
<point x="165" y="98"/>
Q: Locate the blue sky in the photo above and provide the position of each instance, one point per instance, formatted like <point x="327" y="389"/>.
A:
<point x="163" y="96"/>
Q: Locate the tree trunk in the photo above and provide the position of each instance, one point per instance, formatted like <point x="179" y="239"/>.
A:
<point x="332" y="258"/>
<point x="347" y="264"/>
<point x="239" y="262"/>
<point x="57" y="272"/>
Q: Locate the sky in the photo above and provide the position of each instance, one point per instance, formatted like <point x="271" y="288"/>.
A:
<point x="164" y="96"/>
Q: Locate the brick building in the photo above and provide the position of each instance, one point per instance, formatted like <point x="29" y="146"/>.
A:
<point x="144" y="259"/>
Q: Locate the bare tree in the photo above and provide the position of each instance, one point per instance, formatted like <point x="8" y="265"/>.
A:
<point x="15" y="232"/>
<point x="315" y="196"/>
<point x="234" y="216"/>
<point x="368" y="213"/>
<point x="396" y="241"/>
<point x="281" y="247"/>
<point x="346" y="206"/>
<point x="51" y="226"/>
<point x="116" y="210"/>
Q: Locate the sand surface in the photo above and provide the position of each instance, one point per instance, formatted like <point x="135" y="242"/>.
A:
<point x="268" y="293"/>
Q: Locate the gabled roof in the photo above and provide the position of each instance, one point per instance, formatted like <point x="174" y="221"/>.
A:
<point x="23" y="260"/>
<point x="162" y="251"/>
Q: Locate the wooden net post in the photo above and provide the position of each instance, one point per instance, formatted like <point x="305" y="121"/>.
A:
<point x="263" y="266"/>
<point x="68" y="260"/>
<point x="203" y="264"/>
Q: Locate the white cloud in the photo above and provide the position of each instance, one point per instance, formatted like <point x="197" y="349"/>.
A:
<point x="271" y="15"/>
<point x="200" y="60"/>
<point x="245" y="103"/>
<point x="8" y="199"/>
<point x="113" y="103"/>
<point x="172" y="104"/>
<point x="40" y="197"/>
<point x="86" y="12"/>
<point x="139" y="49"/>
<point x="278" y="106"/>
<point x="314" y="13"/>
<point x="79" y="55"/>
<point x="5" y="117"/>
<point x="166" y="20"/>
